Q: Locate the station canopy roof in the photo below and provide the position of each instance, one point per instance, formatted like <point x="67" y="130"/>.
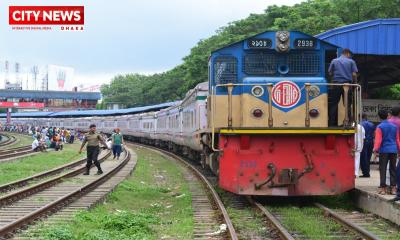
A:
<point x="374" y="37"/>
<point x="376" y="48"/>
<point x="90" y="113"/>
<point x="4" y="93"/>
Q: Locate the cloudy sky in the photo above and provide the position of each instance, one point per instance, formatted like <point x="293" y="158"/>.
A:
<point x="121" y="36"/>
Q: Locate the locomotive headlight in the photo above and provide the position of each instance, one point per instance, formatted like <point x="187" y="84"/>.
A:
<point x="257" y="91"/>
<point x="282" y="47"/>
<point x="282" y="43"/>
<point x="314" y="91"/>
<point x="283" y="36"/>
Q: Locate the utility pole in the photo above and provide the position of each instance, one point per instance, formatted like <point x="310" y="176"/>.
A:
<point x="7" y="67"/>
<point x="35" y="72"/>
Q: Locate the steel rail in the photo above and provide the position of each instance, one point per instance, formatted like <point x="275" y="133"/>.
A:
<point x="60" y="202"/>
<point x="5" y="151"/>
<point x="273" y="220"/>
<point x="216" y="198"/>
<point x="363" y="232"/>
<point x="17" y="152"/>
<point x="14" y="196"/>
<point x="10" y="140"/>
<point x="23" y="182"/>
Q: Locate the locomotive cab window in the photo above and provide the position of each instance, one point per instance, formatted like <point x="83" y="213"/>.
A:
<point x="225" y="70"/>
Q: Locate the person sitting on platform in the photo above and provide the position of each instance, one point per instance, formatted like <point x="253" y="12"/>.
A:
<point x="386" y="145"/>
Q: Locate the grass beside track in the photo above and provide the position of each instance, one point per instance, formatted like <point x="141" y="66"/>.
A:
<point x="30" y="165"/>
<point x="153" y="203"/>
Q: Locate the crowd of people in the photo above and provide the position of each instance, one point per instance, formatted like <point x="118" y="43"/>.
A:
<point x="45" y="137"/>
<point x="380" y="142"/>
<point x="52" y="137"/>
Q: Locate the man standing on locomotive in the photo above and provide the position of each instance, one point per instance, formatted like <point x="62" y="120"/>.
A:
<point x="92" y="138"/>
<point x="342" y="70"/>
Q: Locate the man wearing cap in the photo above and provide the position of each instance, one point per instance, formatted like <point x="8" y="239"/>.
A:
<point x="92" y="138"/>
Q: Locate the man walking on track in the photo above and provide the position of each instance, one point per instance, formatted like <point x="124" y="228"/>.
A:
<point x="92" y="138"/>
<point x="117" y="141"/>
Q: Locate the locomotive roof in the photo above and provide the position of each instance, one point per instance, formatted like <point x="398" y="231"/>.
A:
<point x="240" y="41"/>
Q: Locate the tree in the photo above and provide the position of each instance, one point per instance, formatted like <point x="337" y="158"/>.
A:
<point x="312" y="17"/>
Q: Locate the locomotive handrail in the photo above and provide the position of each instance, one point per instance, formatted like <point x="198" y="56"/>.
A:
<point x="230" y="87"/>
<point x="357" y="105"/>
<point x="356" y="97"/>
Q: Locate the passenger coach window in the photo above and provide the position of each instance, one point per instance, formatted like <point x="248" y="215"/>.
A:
<point x="225" y="70"/>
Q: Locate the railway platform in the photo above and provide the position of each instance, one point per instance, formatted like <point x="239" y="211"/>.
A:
<point x="366" y="197"/>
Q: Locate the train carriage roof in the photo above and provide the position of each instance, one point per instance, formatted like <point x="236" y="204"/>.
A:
<point x="89" y="113"/>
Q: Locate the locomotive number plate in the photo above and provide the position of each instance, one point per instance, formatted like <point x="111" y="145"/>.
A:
<point x="305" y="43"/>
<point x="256" y="43"/>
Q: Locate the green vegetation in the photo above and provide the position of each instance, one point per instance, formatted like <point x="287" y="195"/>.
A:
<point x="388" y="92"/>
<point x="153" y="203"/>
<point x="307" y="221"/>
<point x="342" y="201"/>
<point x="248" y="223"/>
<point x="28" y="166"/>
<point x="312" y="17"/>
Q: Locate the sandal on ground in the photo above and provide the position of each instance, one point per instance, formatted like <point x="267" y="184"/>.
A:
<point x="382" y="190"/>
<point x="393" y="190"/>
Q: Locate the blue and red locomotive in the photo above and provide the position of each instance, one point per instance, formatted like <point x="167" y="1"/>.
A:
<point x="268" y="115"/>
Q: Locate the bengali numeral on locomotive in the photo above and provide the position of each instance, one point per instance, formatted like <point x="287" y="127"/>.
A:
<point x="248" y="163"/>
<point x="304" y="43"/>
<point x="259" y="43"/>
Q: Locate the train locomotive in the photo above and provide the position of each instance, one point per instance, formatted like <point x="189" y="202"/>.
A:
<point x="260" y="123"/>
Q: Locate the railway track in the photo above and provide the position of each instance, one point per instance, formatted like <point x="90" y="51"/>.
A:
<point x="6" y="154"/>
<point x="23" y="182"/>
<point x="353" y="224"/>
<point x="211" y="220"/>
<point x="24" y="206"/>
<point x="10" y="140"/>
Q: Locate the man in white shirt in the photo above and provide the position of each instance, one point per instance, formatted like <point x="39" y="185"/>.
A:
<point x="358" y="146"/>
<point x="35" y="145"/>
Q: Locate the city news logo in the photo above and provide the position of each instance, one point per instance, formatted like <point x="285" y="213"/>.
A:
<point x="286" y="94"/>
<point x="67" y="18"/>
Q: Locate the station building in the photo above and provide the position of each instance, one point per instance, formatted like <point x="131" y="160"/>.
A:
<point x="53" y="101"/>
<point x="375" y="45"/>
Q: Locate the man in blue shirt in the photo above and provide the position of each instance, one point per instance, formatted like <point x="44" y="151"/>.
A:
<point x="386" y="146"/>
<point x="366" y="153"/>
<point x="342" y="70"/>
